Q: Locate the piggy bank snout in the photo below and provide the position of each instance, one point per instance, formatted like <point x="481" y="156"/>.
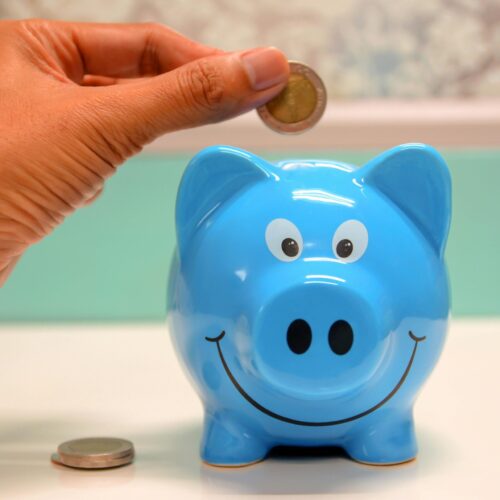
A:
<point x="340" y="336"/>
<point x="317" y="340"/>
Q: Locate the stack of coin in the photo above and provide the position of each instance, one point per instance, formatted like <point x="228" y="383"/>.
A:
<point x="299" y="106"/>
<point x="94" y="453"/>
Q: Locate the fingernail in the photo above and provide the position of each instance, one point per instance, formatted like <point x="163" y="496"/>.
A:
<point x="265" y="67"/>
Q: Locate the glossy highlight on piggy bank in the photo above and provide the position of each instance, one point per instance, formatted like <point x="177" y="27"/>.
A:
<point x="309" y="299"/>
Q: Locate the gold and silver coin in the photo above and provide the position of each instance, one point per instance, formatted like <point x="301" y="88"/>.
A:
<point x="94" y="453"/>
<point x="299" y="106"/>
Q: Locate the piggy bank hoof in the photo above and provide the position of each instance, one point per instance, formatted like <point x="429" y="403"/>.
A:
<point x="391" y="443"/>
<point x="233" y="465"/>
<point x="227" y="443"/>
<point x="386" y="464"/>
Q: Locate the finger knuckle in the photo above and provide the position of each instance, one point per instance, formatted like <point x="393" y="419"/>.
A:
<point x="203" y="85"/>
<point x="153" y="26"/>
<point x="35" y="25"/>
<point x="155" y="30"/>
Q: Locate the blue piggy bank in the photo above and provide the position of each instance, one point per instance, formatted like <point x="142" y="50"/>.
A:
<point x="309" y="299"/>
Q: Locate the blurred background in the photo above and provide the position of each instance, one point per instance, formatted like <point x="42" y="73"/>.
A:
<point x="426" y="71"/>
<point x="361" y="48"/>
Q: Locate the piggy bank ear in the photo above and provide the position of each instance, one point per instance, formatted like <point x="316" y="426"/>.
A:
<point x="415" y="178"/>
<point x="212" y="177"/>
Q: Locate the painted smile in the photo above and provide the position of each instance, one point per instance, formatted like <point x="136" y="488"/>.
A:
<point x="277" y="416"/>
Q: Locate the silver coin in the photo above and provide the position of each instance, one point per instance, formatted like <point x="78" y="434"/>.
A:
<point x="78" y="463"/>
<point x="95" y="452"/>
<point x="299" y="106"/>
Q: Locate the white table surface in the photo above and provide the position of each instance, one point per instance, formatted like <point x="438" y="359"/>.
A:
<point x="63" y="382"/>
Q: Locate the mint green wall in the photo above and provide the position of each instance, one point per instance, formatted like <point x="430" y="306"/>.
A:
<point x="110" y="261"/>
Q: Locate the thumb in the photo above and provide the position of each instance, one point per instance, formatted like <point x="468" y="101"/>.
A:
<point x="206" y="90"/>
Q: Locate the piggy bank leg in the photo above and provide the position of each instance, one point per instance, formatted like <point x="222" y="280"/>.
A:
<point x="229" y="442"/>
<point x="389" y="440"/>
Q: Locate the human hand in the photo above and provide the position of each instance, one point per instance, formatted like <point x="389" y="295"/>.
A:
<point x="77" y="99"/>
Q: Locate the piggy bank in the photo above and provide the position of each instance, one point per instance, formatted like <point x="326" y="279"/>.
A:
<point x="308" y="299"/>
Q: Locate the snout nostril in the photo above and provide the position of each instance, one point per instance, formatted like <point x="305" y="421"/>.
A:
<point x="299" y="336"/>
<point x="340" y="337"/>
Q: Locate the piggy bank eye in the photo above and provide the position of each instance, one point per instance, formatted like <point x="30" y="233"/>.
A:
<point x="350" y="241"/>
<point x="284" y="240"/>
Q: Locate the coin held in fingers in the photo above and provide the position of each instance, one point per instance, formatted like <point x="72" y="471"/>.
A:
<point x="299" y="106"/>
<point x="94" y="453"/>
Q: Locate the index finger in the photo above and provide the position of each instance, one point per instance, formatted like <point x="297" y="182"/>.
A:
<point x="124" y="50"/>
